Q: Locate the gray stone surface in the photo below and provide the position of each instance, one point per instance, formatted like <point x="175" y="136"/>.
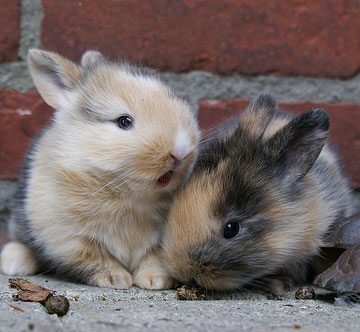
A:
<point x="15" y="75"/>
<point x="100" y="309"/>
<point x="198" y="85"/>
<point x="30" y="22"/>
<point x="7" y="190"/>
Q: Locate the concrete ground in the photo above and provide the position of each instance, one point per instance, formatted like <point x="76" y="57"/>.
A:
<point x="102" y="309"/>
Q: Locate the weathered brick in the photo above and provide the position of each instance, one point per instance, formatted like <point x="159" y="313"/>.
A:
<point x="307" y="37"/>
<point x="344" y="126"/>
<point x="9" y="29"/>
<point x="21" y="118"/>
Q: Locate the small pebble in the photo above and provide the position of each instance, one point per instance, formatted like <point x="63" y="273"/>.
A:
<point x="187" y="293"/>
<point x="57" y="305"/>
<point x="305" y="293"/>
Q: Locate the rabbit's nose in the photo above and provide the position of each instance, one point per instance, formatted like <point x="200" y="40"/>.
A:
<point x="176" y="161"/>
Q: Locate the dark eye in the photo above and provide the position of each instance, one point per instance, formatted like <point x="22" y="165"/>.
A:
<point x="231" y="229"/>
<point x="125" y="122"/>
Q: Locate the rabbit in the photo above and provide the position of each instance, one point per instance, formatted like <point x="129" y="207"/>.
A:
<point x="97" y="183"/>
<point x="264" y="191"/>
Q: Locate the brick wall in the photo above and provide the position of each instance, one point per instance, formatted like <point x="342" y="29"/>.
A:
<point x="306" y="37"/>
<point x="217" y="53"/>
<point x="9" y="29"/>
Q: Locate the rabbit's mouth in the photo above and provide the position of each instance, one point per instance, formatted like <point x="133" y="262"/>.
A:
<point x="165" y="179"/>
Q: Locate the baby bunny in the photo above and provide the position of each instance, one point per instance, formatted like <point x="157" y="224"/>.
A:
<point x="264" y="191"/>
<point x="97" y="183"/>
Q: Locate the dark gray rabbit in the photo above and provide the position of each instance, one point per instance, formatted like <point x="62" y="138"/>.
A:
<point x="263" y="194"/>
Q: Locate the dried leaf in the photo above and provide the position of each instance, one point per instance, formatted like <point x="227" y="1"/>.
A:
<point x="29" y="291"/>
<point x="344" y="233"/>
<point x="344" y="275"/>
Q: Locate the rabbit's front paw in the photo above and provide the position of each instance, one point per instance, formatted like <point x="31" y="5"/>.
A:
<point x="115" y="278"/>
<point x="153" y="280"/>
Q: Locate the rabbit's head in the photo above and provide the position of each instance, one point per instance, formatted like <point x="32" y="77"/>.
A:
<point x="249" y="207"/>
<point x="117" y="122"/>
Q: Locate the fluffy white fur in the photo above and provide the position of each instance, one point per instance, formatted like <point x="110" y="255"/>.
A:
<point x="17" y="259"/>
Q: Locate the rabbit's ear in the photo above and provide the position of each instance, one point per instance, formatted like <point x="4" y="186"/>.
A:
<point x="257" y="115"/>
<point x="91" y="58"/>
<point x="296" y="147"/>
<point x="53" y="76"/>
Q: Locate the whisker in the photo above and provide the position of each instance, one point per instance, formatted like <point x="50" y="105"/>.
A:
<point x="118" y="180"/>
<point x="210" y="129"/>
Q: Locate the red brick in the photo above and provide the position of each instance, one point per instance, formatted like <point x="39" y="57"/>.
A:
<point x="307" y="37"/>
<point x="344" y="126"/>
<point x="9" y="29"/>
<point x="21" y="118"/>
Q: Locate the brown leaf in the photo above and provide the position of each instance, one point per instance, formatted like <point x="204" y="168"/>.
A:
<point x="344" y="274"/>
<point x="29" y="291"/>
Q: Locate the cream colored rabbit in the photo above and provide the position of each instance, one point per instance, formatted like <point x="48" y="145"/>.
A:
<point x="96" y="184"/>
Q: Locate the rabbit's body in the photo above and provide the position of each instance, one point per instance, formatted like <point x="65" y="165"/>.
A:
<point x="93" y="196"/>
<point x="259" y="201"/>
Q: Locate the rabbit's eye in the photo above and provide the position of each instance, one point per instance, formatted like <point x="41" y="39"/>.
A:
<point x="125" y="122"/>
<point x="231" y="229"/>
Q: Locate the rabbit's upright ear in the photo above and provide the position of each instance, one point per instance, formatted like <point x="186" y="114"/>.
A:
<point x="91" y="58"/>
<point x="53" y="76"/>
<point x="257" y="115"/>
<point x="296" y="147"/>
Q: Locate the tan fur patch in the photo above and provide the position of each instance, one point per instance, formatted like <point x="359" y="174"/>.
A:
<point x="251" y="120"/>
<point x="299" y="226"/>
<point x="274" y="126"/>
<point x="190" y="221"/>
<point x="90" y="253"/>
